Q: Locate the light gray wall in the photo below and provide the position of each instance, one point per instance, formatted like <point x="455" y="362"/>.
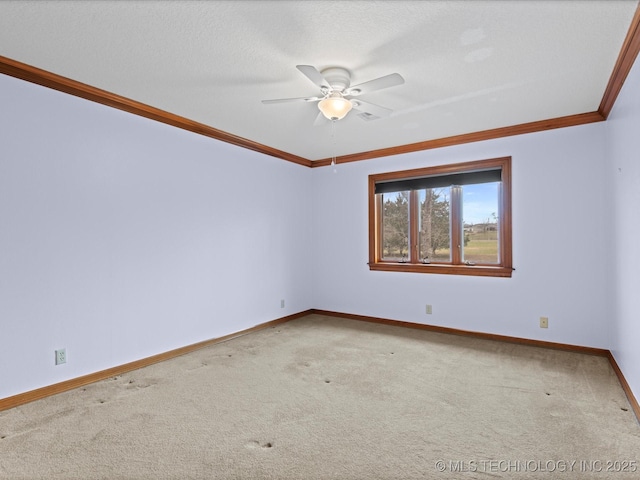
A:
<point x="559" y="202"/>
<point x="623" y="167"/>
<point x="121" y="237"/>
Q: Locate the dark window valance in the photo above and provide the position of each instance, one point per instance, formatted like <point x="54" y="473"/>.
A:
<point x="439" y="181"/>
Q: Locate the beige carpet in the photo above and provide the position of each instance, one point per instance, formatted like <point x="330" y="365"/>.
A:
<point x="327" y="398"/>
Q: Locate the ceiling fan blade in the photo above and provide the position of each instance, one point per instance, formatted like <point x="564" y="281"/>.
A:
<point x="286" y="100"/>
<point x="387" y="81"/>
<point x="320" y="120"/>
<point x="371" y="108"/>
<point x="314" y="75"/>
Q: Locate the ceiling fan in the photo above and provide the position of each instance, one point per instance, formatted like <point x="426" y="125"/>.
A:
<point x="335" y="87"/>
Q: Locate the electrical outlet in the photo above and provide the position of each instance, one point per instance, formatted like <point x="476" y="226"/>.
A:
<point x="544" y="322"/>
<point x="282" y="303"/>
<point x="61" y="356"/>
<point x="429" y="310"/>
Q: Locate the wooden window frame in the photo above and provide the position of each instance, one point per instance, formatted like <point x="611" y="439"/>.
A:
<point x="504" y="268"/>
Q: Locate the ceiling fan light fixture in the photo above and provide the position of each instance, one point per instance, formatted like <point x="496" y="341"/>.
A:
<point x="335" y="106"/>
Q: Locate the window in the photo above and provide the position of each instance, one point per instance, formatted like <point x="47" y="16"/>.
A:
<point x="451" y="219"/>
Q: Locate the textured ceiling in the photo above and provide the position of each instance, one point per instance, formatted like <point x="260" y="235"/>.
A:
<point x="468" y="65"/>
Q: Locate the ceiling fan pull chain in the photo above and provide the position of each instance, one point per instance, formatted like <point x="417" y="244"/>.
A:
<point x="333" y="138"/>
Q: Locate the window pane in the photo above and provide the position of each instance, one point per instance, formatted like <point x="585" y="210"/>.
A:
<point x="434" y="230"/>
<point x="480" y="216"/>
<point x="395" y="226"/>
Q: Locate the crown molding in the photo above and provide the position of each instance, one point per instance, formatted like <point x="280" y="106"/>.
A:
<point x="531" y="127"/>
<point x="47" y="79"/>
<point x="626" y="59"/>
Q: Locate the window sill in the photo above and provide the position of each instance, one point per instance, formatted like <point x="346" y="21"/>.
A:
<point x="438" y="268"/>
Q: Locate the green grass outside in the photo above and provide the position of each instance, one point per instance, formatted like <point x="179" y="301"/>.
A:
<point x="481" y="248"/>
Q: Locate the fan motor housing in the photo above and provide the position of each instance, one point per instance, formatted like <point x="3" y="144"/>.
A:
<point x="338" y="78"/>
